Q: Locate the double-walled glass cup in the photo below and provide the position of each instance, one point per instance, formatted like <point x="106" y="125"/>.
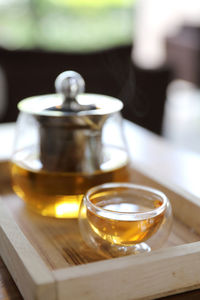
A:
<point x="123" y="218"/>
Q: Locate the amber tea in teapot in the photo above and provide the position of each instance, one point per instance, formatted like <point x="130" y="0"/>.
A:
<point x="58" y="193"/>
<point x="65" y="144"/>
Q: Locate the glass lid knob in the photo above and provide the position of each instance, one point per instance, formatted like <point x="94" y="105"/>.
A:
<point x="70" y="84"/>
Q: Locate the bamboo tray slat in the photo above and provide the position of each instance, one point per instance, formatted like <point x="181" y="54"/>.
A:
<point x="48" y="259"/>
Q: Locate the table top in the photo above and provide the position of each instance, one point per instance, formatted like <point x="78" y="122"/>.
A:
<point x="151" y="154"/>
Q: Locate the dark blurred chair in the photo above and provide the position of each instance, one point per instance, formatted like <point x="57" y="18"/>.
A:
<point x="109" y="72"/>
<point x="183" y="53"/>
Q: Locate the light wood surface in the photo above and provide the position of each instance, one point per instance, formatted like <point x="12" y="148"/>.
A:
<point x="151" y="155"/>
<point x="45" y="255"/>
<point x="23" y="261"/>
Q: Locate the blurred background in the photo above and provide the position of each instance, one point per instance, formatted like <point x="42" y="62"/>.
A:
<point x="65" y="25"/>
<point x="145" y="52"/>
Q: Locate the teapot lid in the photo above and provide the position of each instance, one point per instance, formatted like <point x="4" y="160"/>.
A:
<point x="70" y="100"/>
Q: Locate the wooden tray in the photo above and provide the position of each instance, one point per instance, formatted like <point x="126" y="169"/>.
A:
<point x="48" y="259"/>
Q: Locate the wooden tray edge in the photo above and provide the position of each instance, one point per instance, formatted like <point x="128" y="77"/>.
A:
<point x="31" y="275"/>
<point x="146" y="276"/>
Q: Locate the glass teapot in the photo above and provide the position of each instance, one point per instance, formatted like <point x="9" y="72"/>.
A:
<point x="66" y="143"/>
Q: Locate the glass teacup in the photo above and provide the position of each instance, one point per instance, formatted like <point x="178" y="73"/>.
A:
<point x="123" y="218"/>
